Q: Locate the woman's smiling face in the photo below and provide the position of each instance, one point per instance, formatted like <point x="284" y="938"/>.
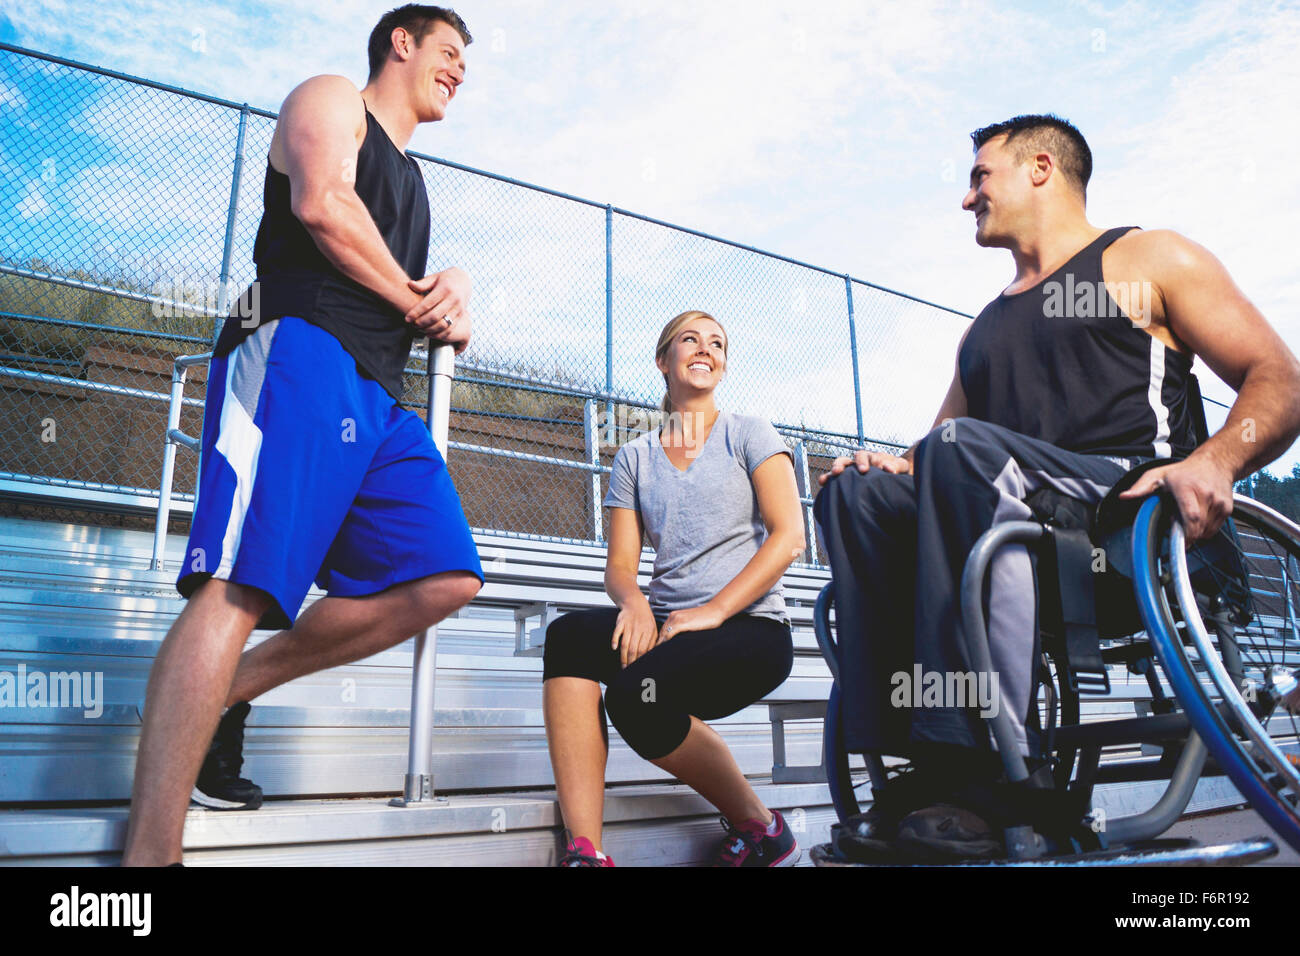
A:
<point x="698" y="356"/>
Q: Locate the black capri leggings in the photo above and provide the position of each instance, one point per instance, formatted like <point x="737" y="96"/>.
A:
<point x="706" y="674"/>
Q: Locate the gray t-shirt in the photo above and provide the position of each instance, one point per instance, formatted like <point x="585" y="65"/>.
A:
<point x="703" y="523"/>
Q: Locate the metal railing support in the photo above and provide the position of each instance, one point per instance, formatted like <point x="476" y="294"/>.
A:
<point x="853" y="352"/>
<point x="591" y="430"/>
<point x="419" y="773"/>
<point x="1290" y="573"/>
<point x="803" y="479"/>
<point x="609" y="320"/>
<point x="174" y="437"/>
<point x="232" y="214"/>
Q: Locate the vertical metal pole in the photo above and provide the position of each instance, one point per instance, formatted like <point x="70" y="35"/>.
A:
<point x="1290" y="573"/>
<point x="232" y="213"/>
<point x="609" y="321"/>
<point x="591" y="426"/>
<point x="169" y="466"/>
<point x="804" y="480"/>
<point x="853" y="351"/>
<point x="419" y="776"/>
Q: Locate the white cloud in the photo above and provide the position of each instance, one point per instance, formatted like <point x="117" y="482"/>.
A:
<point x="837" y="134"/>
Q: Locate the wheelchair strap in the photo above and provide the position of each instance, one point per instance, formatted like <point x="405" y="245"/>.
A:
<point x="1085" y="669"/>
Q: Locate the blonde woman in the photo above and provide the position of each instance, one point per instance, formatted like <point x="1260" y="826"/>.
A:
<point x="715" y="493"/>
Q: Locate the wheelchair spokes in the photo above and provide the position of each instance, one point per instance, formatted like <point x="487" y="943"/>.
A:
<point x="1232" y="600"/>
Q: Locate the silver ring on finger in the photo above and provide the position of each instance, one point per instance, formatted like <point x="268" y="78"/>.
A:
<point x="449" y="320"/>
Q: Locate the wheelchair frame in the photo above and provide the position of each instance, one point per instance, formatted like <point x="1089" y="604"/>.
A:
<point x="1185" y="754"/>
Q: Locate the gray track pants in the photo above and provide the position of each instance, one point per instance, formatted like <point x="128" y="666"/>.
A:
<point x="897" y="546"/>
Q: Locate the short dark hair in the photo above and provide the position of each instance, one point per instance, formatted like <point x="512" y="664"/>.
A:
<point x="416" y="19"/>
<point x="1045" y="132"/>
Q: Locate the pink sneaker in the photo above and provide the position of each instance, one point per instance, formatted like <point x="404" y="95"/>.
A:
<point x="749" y="844"/>
<point x="581" y="852"/>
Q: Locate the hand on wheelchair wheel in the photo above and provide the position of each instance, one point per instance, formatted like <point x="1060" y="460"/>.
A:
<point x="1199" y="486"/>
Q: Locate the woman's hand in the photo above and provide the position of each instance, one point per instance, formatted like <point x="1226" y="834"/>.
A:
<point x="703" y="618"/>
<point x="635" y="631"/>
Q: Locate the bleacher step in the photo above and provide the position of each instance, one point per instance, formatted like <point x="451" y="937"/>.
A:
<point x="659" y="824"/>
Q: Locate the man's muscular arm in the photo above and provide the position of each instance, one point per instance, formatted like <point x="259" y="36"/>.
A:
<point x="1203" y="308"/>
<point x="318" y="134"/>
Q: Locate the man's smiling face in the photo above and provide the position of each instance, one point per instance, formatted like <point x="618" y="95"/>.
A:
<point x="997" y="185"/>
<point x="437" y="67"/>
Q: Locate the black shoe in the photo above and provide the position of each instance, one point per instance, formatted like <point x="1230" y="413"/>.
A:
<point x="871" y="837"/>
<point x="220" y="787"/>
<point x="866" y="838"/>
<point x="947" y="834"/>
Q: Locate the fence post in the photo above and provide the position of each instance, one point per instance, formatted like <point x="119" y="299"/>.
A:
<point x="419" y="772"/>
<point x="853" y="351"/>
<point x="232" y="213"/>
<point x="804" y="481"/>
<point x="591" y="427"/>
<point x="609" y="320"/>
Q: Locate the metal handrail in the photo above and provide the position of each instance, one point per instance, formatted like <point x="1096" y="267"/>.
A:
<point x="419" y="776"/>
<point x="419" y="771"/>
<point x="173" y="437"/>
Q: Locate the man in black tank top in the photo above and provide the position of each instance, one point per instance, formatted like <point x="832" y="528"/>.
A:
<point x="310" y="468"/>
<point x="1079" y="370"/>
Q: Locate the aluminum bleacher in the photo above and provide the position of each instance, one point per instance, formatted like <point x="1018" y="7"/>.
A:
<point x="330" y="749"/>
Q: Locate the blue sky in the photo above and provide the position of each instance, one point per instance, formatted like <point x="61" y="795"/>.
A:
<point x="832" y="132"/>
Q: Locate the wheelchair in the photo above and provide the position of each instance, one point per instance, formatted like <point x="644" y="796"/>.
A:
<point x="1217" y="620"/>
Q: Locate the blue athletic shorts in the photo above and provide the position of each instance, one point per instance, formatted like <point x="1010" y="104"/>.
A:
<point x="309" y="471"/>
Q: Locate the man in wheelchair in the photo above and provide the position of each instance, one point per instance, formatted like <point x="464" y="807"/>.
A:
<point x="1077" y="373"/>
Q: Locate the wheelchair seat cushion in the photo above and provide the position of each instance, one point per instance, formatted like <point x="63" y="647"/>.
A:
<point x="1112" y="524"/>
<point x="1115" y="513"/>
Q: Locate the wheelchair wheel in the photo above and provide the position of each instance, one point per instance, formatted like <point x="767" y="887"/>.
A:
<point x="1229" y="675"/>
<point x="836" y="760"/>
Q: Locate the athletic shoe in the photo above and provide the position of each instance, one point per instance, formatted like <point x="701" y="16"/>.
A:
<point x="866" y="838"/>
<point x="947" y="834"/>
<point x="581" y="852"/>
<point x="220" y="787"/>
<point x="749" y="844"/>
<point x="871" y="837"/>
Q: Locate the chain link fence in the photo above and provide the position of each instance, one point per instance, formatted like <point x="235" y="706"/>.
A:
<point x="128" y="212"/>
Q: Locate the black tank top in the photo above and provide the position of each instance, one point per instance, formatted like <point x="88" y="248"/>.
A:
<point x="1062" y="362"/>
<point x="295" y="278"/>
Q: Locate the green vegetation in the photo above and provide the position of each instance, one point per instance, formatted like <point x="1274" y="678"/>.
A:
<point x="62" y="349"/>
<point x="41" y="343"/>
<point x="1280" y="494"/>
